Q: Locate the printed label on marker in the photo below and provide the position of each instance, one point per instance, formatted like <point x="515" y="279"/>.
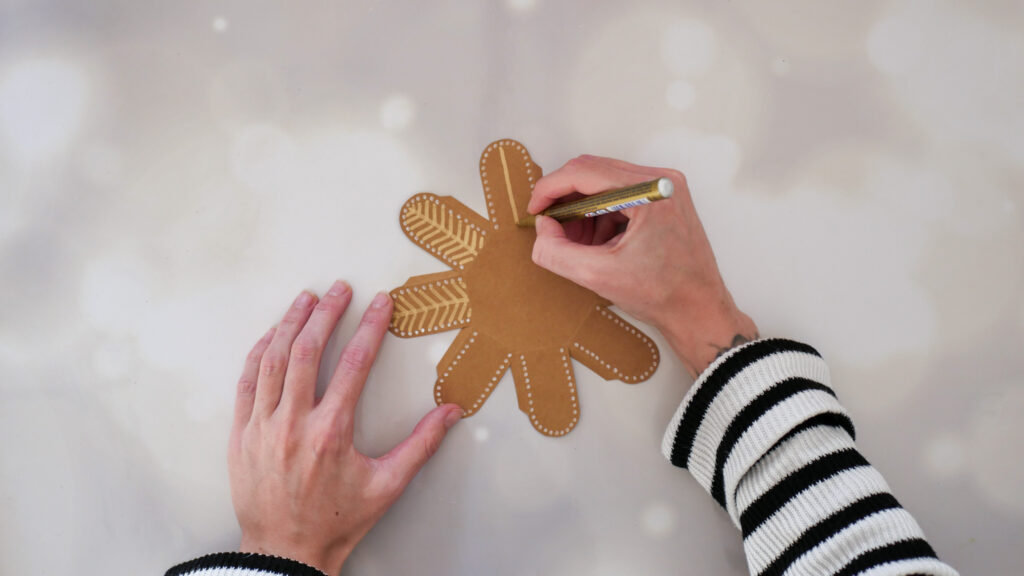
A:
<point x="618" y="207"/>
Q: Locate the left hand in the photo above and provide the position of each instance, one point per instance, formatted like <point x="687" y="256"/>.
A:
<point x="300" y="488"/>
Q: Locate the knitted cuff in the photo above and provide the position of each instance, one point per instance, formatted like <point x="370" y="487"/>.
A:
<point x="242" y="564"/>
<point x="742" y="405"/>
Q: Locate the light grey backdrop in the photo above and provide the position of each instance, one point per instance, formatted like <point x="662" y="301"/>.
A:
<point x="172" y="173"/>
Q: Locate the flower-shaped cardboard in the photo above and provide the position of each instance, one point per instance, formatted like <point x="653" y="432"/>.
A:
<point x="510" y="312"/>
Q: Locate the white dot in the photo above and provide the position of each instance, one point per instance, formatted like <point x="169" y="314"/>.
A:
<point x="945" y="456"/>
<point x="397" y="112"/>
<point x="688" y="47"/>
<point x="220" y="24"/>
<point x="659" y="520"/>
<point x="780" y="67"/>
<point x="481" y="434"/>
<point x="680" y="95"/>
<point x="41" y="108"/>
<point x="521" y="5"/>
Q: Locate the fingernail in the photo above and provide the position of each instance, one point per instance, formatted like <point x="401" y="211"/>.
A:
<point x="338" y="288"/>
<point x="380" y="300"/>
<point x="452" y="418"/>
<point x="304" y="299"/>
<point x="540" y="222"/>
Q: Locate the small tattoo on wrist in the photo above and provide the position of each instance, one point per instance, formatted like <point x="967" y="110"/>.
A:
<point x="737" y="340"/>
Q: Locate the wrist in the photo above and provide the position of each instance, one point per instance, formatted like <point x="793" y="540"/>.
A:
<point x="329" y="562"/>
<point x="706" y="331"/>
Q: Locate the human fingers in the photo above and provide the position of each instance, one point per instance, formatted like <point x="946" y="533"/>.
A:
<point x="552" y="250"/>
<point x="596" y="230"/>
<point x="356" y="360"/>
<point x="274" y="363"/>
<point x="574" y="229"/>
<point x="245" y="392"/>
<point x="584" y="174"/>
<point x="304" y="360"/>
<point x="404" y="461"/>
<point x="586" y="236"/>
<point x="606" y="227"/>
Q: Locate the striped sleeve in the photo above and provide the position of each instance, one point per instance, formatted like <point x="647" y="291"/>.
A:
<point x="764" y="434"/>
<point x="242" y="564"/>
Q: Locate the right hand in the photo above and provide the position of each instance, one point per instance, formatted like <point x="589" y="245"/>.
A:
<point x="653" y="261"/>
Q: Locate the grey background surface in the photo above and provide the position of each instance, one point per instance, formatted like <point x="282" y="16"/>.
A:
<point x="172" y="174"/>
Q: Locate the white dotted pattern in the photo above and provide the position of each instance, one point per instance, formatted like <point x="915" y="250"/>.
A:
<point x="491" y="383"/>
<point x="485" y="178"/>
<point x="633" y="331"/>
<point x="441" y="231"/>
<point x="528" y="389"/>
<point x="443" y="304"/>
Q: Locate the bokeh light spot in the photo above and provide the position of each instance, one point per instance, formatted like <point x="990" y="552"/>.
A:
<point x="680" y="95"/>
<point x="945" y="456"/>
<point x="41" y="108"/>
<point x="688" y="47"/>
<point x="995" y="427"/>
<point x="659" y="520"/>
<point x="397" y="112"/>
<point x="521" y="5"/>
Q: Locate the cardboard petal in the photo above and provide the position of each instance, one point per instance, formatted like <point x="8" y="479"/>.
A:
<point x="429" y="304"/>
<point x="445" y="228"/>
<point x="470" y="370"/>
<point x="508" y="174"/>
<point x="614" y="348"/>
<point x="546" y="388"/>
<point x="511" y="312"/>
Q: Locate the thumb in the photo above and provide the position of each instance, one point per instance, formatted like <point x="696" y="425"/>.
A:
<point x="412" y="453"/>
<point x="554" y="251"/>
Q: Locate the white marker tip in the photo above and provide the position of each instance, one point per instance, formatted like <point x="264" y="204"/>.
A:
<point x="665" y="187"/>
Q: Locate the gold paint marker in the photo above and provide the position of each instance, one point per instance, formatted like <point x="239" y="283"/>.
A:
<point x="606" y="202"/>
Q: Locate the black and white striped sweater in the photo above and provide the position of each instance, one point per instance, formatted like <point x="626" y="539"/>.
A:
<point x="763" y="433"/>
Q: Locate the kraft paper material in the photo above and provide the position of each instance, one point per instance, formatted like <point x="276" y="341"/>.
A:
<point x="510" y="313"/>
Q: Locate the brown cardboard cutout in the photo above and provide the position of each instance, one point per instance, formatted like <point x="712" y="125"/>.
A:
<point x="511" y="313"/>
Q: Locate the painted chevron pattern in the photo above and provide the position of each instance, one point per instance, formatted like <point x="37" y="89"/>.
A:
<point x="442" y="231"/>
<point x="433" y="307"/>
